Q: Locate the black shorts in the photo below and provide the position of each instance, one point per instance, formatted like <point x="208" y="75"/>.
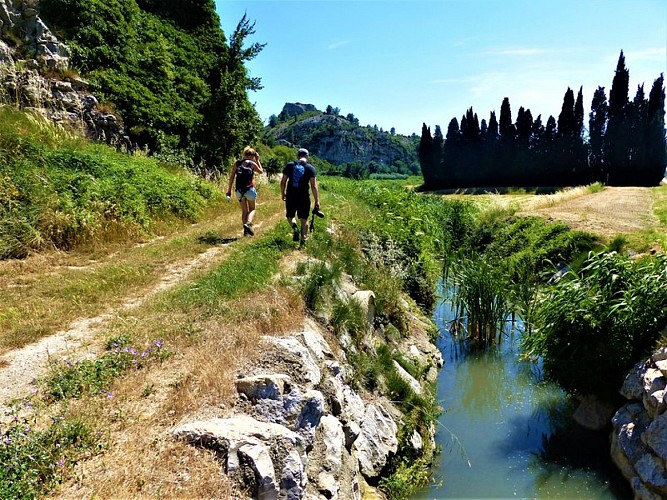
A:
<point x="299" y="205"/>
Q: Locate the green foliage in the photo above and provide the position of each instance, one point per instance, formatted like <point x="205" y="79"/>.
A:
<point x="32" y="460"/>
<point x="95" y="376"/>
<point x="319" y="284"/>
<point x="58" y="195"/>
<point x="479" y="299"/>
<point x="349" y="316"/>
<point x="530" y="245"/>
<point x="593" y="325"/>
<point x="596" y="187"/>
<point x="168" y="71"/>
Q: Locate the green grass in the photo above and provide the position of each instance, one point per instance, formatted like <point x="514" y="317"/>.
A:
<point x="249" y="267"/>
<point x="57" y="191"/>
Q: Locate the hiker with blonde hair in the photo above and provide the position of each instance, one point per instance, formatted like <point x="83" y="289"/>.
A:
<point x="244" y="172"/>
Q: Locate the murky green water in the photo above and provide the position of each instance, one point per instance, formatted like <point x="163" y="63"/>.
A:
<point x="505" y="433"/>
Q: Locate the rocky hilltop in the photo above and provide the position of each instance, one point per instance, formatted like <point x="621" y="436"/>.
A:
<point x="35" y="75"/>
<point x="340" y="140"/>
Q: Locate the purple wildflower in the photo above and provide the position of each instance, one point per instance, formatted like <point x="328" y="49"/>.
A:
<point x="7" y="440"/>
<point x="109" y="395"/>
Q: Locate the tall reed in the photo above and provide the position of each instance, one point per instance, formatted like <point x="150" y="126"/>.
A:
<point x="478" y="299"/>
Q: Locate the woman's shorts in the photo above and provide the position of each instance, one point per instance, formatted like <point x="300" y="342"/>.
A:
<point x="250" y="194"/>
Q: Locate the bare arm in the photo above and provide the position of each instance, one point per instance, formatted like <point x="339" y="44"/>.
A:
<point x="257" y="166"/>
<point x="232" y="175"/>
<point x="316" y="194"/>
<point x="283" y="184"/>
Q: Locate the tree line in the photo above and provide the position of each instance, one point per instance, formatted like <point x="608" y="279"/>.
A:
<point x="624" y="144"/>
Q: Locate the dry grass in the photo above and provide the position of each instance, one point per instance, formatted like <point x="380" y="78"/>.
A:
<point x="141" y="458"/>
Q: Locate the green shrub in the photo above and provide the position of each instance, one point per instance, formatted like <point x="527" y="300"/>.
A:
<point x="593" y="325"/>
<point x="95" y="376"/>
<point x="33" y="460"/>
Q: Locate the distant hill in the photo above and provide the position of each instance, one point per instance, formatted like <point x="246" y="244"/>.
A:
<point x="352" y="149"/>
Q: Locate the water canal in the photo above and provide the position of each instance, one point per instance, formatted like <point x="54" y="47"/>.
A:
<point x="506" y="433"/>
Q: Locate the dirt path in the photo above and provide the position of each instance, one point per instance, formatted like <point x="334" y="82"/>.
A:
<point x="613" y="211"/>
<point x="20" y="368"/>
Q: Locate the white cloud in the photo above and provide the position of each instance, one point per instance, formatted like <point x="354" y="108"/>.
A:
<point x="337" y="45"/>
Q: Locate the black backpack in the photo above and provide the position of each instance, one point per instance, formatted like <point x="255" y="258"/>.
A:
<point x="244" y="175"/>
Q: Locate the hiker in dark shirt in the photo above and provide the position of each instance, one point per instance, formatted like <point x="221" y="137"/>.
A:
<point x="298" y="177"/>
<point x="244" y="172"/>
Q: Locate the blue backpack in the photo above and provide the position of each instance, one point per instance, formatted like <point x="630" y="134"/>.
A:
<point x="297" y="174"/>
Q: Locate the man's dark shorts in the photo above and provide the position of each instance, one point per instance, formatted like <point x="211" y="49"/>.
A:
<point x="299" y="205"/>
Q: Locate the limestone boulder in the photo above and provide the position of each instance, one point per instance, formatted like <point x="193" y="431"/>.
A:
<point x="300" y="358"/>
<point x="245" y="444"/>
<point x="655" y="436"/>
<point x="409" y="379"/>
<point x="267" y="386"/>
<point x="377" y="441"/>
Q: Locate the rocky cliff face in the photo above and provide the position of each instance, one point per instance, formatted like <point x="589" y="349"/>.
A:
<point x="34" y="75"/>
<point x="339" y="141"/>
<point x="639" y="439"/>
<point x="300" y="428"/>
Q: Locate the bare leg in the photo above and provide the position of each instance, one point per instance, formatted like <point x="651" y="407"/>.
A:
<point x="244" y="211"/>
<point x="250" y="211"/>
<point x="304" y="228"/>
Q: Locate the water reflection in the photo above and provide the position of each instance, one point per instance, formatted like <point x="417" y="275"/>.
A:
<point x="505" y="432"/>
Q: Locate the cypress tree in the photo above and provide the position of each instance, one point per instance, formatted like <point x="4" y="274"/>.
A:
<point x="505" y="124"/>
<point x="579" y="113"/>
<point x="493" y="125"/>
<point x="452" y="153"/>
<point x="425" y="153"/>
<point x="638" y="123"/>
<point x="597" y="125"/>
<point x="617" y="137"/>
<point x="437" y="153"/>
<point x="656" y="149"/>
<point x="580" y="149"/>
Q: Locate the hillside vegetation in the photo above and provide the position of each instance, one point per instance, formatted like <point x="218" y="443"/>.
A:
<point x="56" y="190"/>
<point x="168" y="69"/>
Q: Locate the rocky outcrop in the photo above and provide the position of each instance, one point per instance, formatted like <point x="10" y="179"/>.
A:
<point x="335" y="139"/>
<point x="299" y="428"/>
<point x="35" y="76"/>
<point x="639" y="439"/>
<point x="292" y="109"/>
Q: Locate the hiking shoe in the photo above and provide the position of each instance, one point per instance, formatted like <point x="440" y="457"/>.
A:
<point x="295" y="232"/>
<point x="247" y="230"/>
<point x="302" y="241"/>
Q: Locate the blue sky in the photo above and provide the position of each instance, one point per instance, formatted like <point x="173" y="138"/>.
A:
<point x="403" y="62"/>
